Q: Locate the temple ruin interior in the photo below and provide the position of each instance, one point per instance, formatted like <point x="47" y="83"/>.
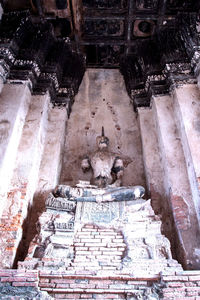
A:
<point x="73" y="224"/>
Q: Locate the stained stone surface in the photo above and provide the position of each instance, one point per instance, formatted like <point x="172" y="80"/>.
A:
<point x="96" y="213"/>
<point x="102" y="101"/>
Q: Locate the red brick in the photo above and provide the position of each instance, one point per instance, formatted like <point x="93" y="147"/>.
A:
<point x="112" y="245"/>
<point x="33" y="284"/>
<point x="79" y="252"/>
<point x="48" y="274"/>
<point x="169" y="295"/>
<point x="96" y="252"/>
<point x="83" y="233"/>
<point x="44" y="280"/>
<point x="190" y="284"/>
<point x="102" y="285"/>
<point x="109" y="296"/>
<point x="63" y="280"/>
<point x="95" y="245"/>
<point x="11" y="279"/>
<point x="97" y="240"/>
<point x="194" y="278"/>
<point x="110" y="234"/>
<point x="176" y="284"/>
<point x="62" y="285"/>
<point x="114" y="253"/>
<point x="66" y="296"/>
<point x="48" y="285"/>
<point x="82" y="285"/>
<point x="175" y="278"/>
<point x="81" y="248"/>
<point x="140" y="282"/>
<point x="193" y="288"/>
<point x="76" y="244"/>
<point x="192" y="294"/>
<point x="6" y="272"/>
<point x="106" y="281"/>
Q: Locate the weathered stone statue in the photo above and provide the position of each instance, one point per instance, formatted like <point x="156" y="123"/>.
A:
<point x="107" y="167"/>
<point x="107" y="170"/>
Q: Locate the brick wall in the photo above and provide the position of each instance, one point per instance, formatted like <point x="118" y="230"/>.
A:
<point x="18" y="284"/>
<point x="184" y="285"/>
<point x="61" y="285"/>
<point x="11" y="225"/>
<point x="15" y="284"/>
<point x="98" y="248"/>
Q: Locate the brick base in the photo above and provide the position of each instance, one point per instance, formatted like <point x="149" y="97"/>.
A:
<point x="16" y="284"/>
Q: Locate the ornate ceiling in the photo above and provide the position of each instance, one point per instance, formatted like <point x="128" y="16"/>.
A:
<point x="141" y="37"/>
<point x="104" y="30"/>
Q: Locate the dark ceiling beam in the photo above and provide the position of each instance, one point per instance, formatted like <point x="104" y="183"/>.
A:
<point x="129" y="26"/>
<point x="39" y="7"/>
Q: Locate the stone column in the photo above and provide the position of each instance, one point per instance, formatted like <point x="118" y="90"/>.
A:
<point x="152" y="158"/>
<point x="187" y="110"/>
<point x="195" y="62"/>
<point x="52" y="158"/>
<point x="50" y="167"/>
<point x="14" y="103"/>
<point x="24" y="178"/>
<point x="177" y="185"/>
<point x="1" y="78"/>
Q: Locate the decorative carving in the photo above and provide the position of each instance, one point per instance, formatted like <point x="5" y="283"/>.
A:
<point x="105" y="27"/>
<point x="105" y="4"/>
<point x="100" y="212"/>
<point x="59" y="204"/>
<point x="143" y="28"/>
<point x="147" y="4"/>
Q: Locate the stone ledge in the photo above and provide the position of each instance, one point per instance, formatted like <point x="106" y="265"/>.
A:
<point x="52" y="274"/>
<point x="182" y="285"/>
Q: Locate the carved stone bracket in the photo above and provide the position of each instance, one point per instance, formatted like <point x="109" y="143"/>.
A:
<point x="195" y="62"/>
<point x="179" y="74"/>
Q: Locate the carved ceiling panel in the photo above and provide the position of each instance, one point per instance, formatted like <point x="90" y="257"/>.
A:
<point x="106" y="29"/>
<point x="105" y="4"/>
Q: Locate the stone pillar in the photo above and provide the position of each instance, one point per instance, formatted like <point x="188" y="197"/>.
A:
<point x="1" y="82"/>
<point x="177" y="186"/>
<point x="195" y="62"/>
<point x="14" y="103"/>
<point x="50" y="168"/>
<point x="24" y="179"/>
<point x="187" y="110"/>
<point x="198" y="80"/>
<point x="52" y="158"/>
<point x="152" y="158"/>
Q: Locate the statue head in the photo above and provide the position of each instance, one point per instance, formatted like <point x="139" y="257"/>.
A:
<point x="102" y="141"/>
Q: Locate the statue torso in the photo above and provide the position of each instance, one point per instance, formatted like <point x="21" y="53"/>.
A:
<point x="102" y="163"/>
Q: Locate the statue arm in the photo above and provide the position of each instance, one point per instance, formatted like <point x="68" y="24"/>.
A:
<point x="85" y="164"/>
<point x="118" y="170"/>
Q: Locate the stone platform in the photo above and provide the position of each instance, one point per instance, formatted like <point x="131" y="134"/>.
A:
<point x="123" y="238"/>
